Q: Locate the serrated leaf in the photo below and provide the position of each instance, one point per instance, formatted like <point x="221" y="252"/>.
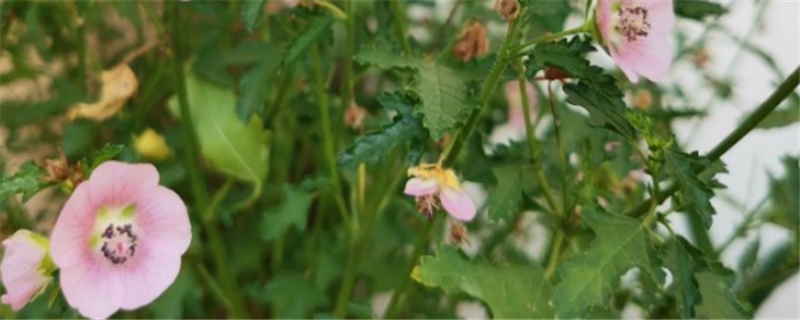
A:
<point x="443" y="90"/>
<point x="698" y="9"/>
<point x="587" y="280"/>
<point x="509" y="291"/>
<point x="251" y="12"/>
<point x="293" y="211"/>
<point x="595" y="91"/>
<point x="373" y="147"/>
<point x="718" y="302"/>
<point x="234" y="148"/>
<point x="254" y="85"/>
<point x="694" y="193"/>
<point x="29" y="180"/>
<point x="107" y="152"/>
<point x="300" y="45"/>
<point x="505" y="199"/>
<point x="681" y="263"/>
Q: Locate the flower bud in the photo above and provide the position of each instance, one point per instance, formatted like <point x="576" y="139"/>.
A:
<point x="643" y="100"/>
<point x="508" y="9"/>
<point x="354" y="117"/>
<point x="26" y="268"/>
<point x="474" y="42"/>
<point x="152" y="146"/>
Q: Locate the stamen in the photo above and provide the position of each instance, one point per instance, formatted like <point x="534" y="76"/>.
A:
<point x="632" y="22"/>
<point x="119" y="243"/>
<point x="428" y="204"/>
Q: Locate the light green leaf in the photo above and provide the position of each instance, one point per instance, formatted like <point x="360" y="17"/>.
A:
<point x="232" y="147"/>
<point x="587" y="280"/>
<point x="443" y="90"/>
<point x="504" y="200"/>
<point x="29" y="180"/>
<point x="718" y="302"/>
<point x="251" y="12"/>
<point x="374" y="146"/>
<point x="293" y="211"/>
<point x="509" y="291"/>
<point x="695" y="195"/>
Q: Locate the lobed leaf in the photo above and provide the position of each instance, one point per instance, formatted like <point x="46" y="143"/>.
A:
<point x="694" y="193"/>
<point x="28" y="181"/>
<point x="505" y="199"/>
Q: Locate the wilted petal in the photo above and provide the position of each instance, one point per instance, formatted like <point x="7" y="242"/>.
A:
<point x="458" y="204"/>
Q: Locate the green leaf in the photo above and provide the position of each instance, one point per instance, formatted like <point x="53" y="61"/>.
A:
<point x="595" y="91"/>
<point x="698" y="9"/>
<point x="292" y="297"/>
<point x="251" y="12"/>
<point x="695" y="195"/>
<point x="587" y="280"/>
<point x="443" y="90"/>
<point x="172" y="303"/>
<point x="254" y="85"/>
<point x="545" y="16"/>
<point x="505" y="199"/>
<point x="718" y="302"/>
<point x="319" y="27"/>
<point x="107" y="152"/>
<point x="784" y="207"/>
<point x="293" y="211"/>
<point x="509" y="291"/>
<point x="29" y="180"/>
<point x="787" y="115"/>
<point x="680" y="260"/>
<point x="374" y="146"/>
<point x="231" y="147"/>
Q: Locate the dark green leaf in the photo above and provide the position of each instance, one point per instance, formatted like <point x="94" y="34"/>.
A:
<point x="505" y="199"/>
<point x="292" y="297"/>
<point x="784" y="208"/>
<point x="695" y="195"/>
<point x="546" y="16"/>
<point x="107" y="152"/>
<point x="29" y="180"/>
<point x="587" y="280"/>
<point x="680" y="260"/>
<point x="293" y="211"/>
<point x="718" y="302"/>
<point x="254" y="85"/>
<point x="749" y="257"/>
<point x="318" y="28"/>
<point x="509" y="291"/>
<point x="698" y="9"/>
<point x="251" y="12"/>
<point x="373" y="147"/>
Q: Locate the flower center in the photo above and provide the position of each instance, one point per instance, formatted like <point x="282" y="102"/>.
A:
<point x="632" y="22"/>
<point x="428" y="204"/>
<point x="118" y="242"/>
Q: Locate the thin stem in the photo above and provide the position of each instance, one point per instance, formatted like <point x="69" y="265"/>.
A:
<point x="332" y="8"/>
<point x="400" y="25"/>
<point x="555" y="253"/>
<point x="784" y="90"/>
<point x="562" y="162"/>
<point x="742" y="227"/>
<point x="198" y="185"/>
<point x="213" y="286"/>
<point x="489" y="85"/>
<point x="551" y="37"/>
<point x="450" y="16"/>
<point x="422" y="241"/>
<point x="350" y="49"/>
<point x="324" y="110"/>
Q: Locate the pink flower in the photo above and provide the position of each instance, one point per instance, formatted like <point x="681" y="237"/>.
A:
<point x="514" y="129"/>
<point x="119" y="240"/>
<point x="637" y="35"/>
<point x="25" y="269"/>
<point x="435" y="188"/>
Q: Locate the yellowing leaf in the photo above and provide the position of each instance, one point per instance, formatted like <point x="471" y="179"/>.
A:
<point x="118" y="85"/>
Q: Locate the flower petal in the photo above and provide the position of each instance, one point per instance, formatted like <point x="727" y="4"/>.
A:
<point x="458" y="204"/>
<point x="69" y="241"/>
<point x="116" y="183"/>
<point x="152" y="271"/>
<point x="93" y="288"/>
<point x="20" y="269"/>
<point x="420" y="187"/>
<point x="163" y="219"/>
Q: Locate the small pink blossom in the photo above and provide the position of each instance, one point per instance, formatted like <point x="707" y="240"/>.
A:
<point x="637" y="34"/>
<point x="119" y="240"/>
<point x="25" y="269"/>
<point x="434" y="188"/>
<point x="514" y="129"/>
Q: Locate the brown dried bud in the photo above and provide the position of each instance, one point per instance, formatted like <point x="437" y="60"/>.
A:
<point x="553" y="73"/>
<point x="474" y="42"/>
<point x="642" y="100"/>
<point x="354" y="117"/>
<point x="701" y="57"/>
<point x="458" y="234"/>
<point x="57" y="169"/>
<point x="508" y="9"/>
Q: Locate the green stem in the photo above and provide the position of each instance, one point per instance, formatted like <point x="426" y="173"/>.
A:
<point x="552" y="37"/>
<point x="422" y="241"/>
<point x="784" y="90"/>
<point x="213" y="287"/>
<point x="451" y="154"/>
<point x="555" y="252"/>
<point x="325" y="122"/>
<point x="350" y="51"/>
<point x="198" y="186"/>
<point x="562" y="162"/>
<point x="400" y="25"/>
<point x="742" y="228"/>
<point x="79" y="29"/>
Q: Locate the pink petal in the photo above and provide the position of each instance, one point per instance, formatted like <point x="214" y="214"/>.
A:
<point x="21" y="269"/>
<point x="163" y="219"/>
<point x="94" y="288"/>
<point x="150" y="274"/>
<point x="421" y="187"/>
<point x="69" y="243"/>
<point x="650" y="57"/>
<point x="458" y="204"/>
<point x="116" y="183"/>
<point x="603" y="11"/>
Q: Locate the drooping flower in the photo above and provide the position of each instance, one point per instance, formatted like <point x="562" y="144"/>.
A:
<point x="435" y="188"/>
<point x="514" y="129"/>
<point x="25" y="269"/>
<point x="119" y="239"/>
<point x="637" y="35"/>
